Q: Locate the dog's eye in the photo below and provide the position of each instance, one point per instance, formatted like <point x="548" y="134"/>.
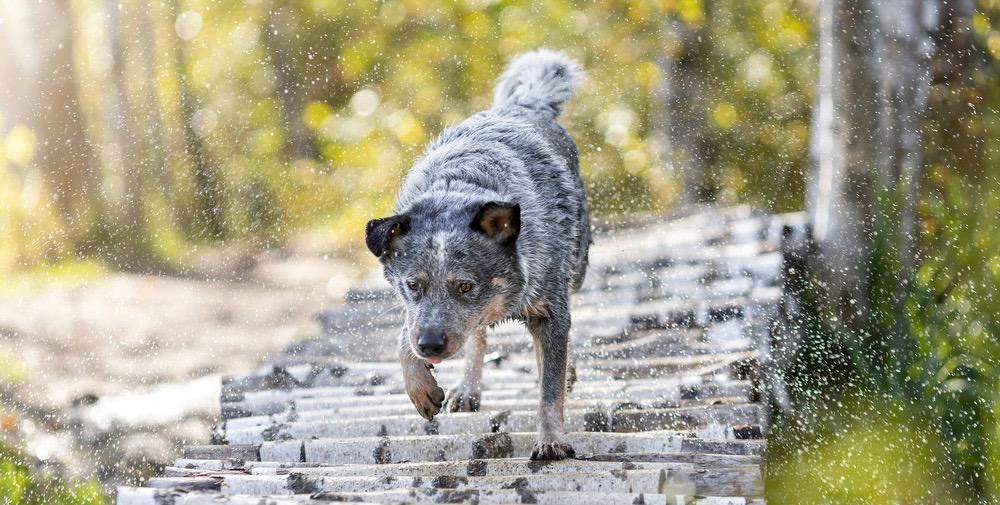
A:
<point x="464" y="287"/>
<point x="412" y="285"/>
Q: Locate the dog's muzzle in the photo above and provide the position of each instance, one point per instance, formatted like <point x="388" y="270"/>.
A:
<point x="432" y="342"/>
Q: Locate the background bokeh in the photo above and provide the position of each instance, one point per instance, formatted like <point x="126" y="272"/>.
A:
<point x="198" y="122"/>
<point x="205" y="141"/>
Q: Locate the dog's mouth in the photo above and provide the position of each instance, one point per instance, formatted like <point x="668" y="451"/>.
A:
<point x="434" y="359"/>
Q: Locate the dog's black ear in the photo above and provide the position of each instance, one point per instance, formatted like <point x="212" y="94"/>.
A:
<point x="380" y="232"/>
<point x="499" y="220"/>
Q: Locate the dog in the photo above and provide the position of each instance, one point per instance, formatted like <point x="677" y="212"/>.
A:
<point x="491" y="224"/>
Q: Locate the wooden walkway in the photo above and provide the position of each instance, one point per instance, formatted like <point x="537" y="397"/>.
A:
<point x="671" y="332"/>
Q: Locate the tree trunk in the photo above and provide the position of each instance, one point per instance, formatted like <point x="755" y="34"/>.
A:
<point x="291" y="88"/>
<point x="39" y="90"/>
<point x="148" y="110"/>
<point x="839" y="199"/>
<point x="125" y="165"/>
<point x="208" y="188"/>
<point x="956" y="144"/>
<point x="686" y="79"/>
<point x="867" y="147"/>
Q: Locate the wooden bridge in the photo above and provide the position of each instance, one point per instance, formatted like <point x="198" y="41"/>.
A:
<point x="672" y="339"/>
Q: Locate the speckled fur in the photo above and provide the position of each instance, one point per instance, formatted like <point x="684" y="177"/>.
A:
<point x="514" y="153"/>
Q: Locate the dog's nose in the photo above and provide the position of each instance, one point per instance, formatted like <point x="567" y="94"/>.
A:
<point x="431" y="342"/>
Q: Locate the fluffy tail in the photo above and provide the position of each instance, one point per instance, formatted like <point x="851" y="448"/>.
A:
<point x="539" y="80"/>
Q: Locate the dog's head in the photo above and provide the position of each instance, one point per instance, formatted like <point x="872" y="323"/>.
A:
<point x="456" y="269"/>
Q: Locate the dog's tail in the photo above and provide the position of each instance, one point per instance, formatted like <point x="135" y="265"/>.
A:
<point x="539" y="80"/>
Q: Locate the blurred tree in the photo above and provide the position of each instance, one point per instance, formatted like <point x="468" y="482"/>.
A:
<point x="842" y="148"/>
<point x="687" y="76"/>
<point x="904" y="213"/>
<point x="956" y="91"/>
<point x="122" y="226"/>
<point x="39" y="91"/>
<point x="208" y="219"/>
<point x="295" y="90"/>
<point x="246" y="121"/>
<point x="875" y="75"/>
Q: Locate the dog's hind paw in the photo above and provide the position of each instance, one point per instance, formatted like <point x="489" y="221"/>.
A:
<point x="463" y="399"/>
<point x="552" y="451"/>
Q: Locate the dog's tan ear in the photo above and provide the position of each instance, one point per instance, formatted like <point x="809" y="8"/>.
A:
<point x="379" y="233"/>
<point x="499" y="220"/>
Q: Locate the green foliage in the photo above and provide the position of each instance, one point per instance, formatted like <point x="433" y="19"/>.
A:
<point x="903" y="409"/>
<point x="18" y="486"/>
<point x="952" y="368"/>
<point x="69" y="272"/>
<point x="256" y="119"/>
<point x="858" y="448"/>
<point x="914" y="391"/>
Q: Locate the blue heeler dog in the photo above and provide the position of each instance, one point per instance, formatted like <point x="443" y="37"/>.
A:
<point x="492" y="224"/>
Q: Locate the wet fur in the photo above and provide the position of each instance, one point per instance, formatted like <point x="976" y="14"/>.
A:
<point x="497" y="203"/>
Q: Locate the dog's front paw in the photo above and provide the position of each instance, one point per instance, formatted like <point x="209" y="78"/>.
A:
<point x="463" y="398"/>
<point x="428" y="399"/>
<point x="552" y="451"/>
<point x="425" y="393"/>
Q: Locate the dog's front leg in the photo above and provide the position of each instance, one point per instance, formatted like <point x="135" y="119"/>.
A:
<point x="551" y="335"/>
<point x="466" y="396"/>
<point x="421" y="386"/>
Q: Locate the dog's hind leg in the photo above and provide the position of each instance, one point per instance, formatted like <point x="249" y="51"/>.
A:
<point x="551" y="334"/>
<point x="466" y="396"/>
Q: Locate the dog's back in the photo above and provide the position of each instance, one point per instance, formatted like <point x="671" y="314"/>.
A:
<point x="517" y="152"/>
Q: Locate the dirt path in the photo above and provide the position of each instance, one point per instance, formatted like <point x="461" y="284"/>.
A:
<point x="113" y="340"/>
